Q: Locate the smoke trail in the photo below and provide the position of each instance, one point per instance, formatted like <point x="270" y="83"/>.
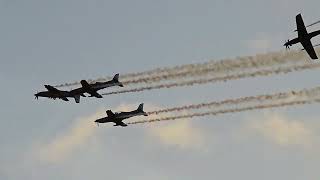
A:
<point x="223" y="66"/>
<point x="276" y="96"/>
<point x="235" y="110"/>
<point x="310" y="25"/>
<point x="266" y="72"/>
<point x="313" y="23"/>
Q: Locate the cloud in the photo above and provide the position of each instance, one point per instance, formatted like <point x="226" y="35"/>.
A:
<point x="62" y="146"/>
<point x="59" y="148"/>
<point x="78" y="135"/>
<point x="281" y="130"/>
<point x="180" y="133"/>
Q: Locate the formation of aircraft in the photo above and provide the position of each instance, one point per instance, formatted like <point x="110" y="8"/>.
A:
<point x="304" y="38"/>
<point x="117" y="118"/>
<point x="54" y="93"/>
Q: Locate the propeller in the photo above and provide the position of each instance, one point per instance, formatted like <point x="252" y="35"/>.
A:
<point x="287" y="44"/>
<point x="36" y="96"/>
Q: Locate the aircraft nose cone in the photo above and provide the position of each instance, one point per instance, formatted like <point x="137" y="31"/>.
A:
<point x="37" y="95"/>
<point x="98" y="121"/>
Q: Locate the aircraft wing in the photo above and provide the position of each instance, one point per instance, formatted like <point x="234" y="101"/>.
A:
<point x="301" y="28"/>
<point x="64" y="98"/>
<point x="95" y="94"/>
<point x="121" y="124"/>
<point x="88" y="89"/>
<point x="51" y="88"/>
<point x="309" y="48"/>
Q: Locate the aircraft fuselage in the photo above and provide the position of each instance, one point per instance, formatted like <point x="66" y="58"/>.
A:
<point x="101" y="85"/>
<point x="50" y="94"/>
<point x="118" y="117"/>
<point x="302" y="38"/>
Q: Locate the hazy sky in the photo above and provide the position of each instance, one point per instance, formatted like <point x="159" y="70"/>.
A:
<point x="52" y="42"/>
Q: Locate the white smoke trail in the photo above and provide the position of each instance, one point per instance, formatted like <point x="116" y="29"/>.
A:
<point x="213" y="67"/>
<point x="265" y="72"/>
<point x="223" y="66"/>
<point x="313" y="23"/>
<point x="234" y="110"/>
<point x="267" y="97"/>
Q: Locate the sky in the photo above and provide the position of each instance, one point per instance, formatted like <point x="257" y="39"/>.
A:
<point x="53" y="42"/>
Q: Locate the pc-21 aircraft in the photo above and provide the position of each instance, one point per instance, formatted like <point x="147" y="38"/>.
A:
<point x="304" y="38"/>
<point x="93" y="88"/>
<point x="54" y="93"/>
<point x="117" y="118"/>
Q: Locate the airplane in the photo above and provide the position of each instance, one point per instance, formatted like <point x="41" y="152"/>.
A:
<point x="93" y="88"/>
<point x="117" y="118"/>
<point x="304" y="38"/>
<point x="54" y="93"/>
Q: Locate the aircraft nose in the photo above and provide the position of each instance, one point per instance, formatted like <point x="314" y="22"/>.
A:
<point x="98" y="121"/>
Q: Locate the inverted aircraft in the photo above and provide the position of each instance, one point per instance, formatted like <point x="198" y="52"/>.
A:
<point x="117" y="118"/>
<point x="304" y="38"/>
<point x="54" y="93"/>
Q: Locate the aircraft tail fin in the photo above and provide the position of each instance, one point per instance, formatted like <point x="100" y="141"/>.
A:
<point x="140" y="109"/>
<point x="116" y="79"/>
<point x="110" y="113"/>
